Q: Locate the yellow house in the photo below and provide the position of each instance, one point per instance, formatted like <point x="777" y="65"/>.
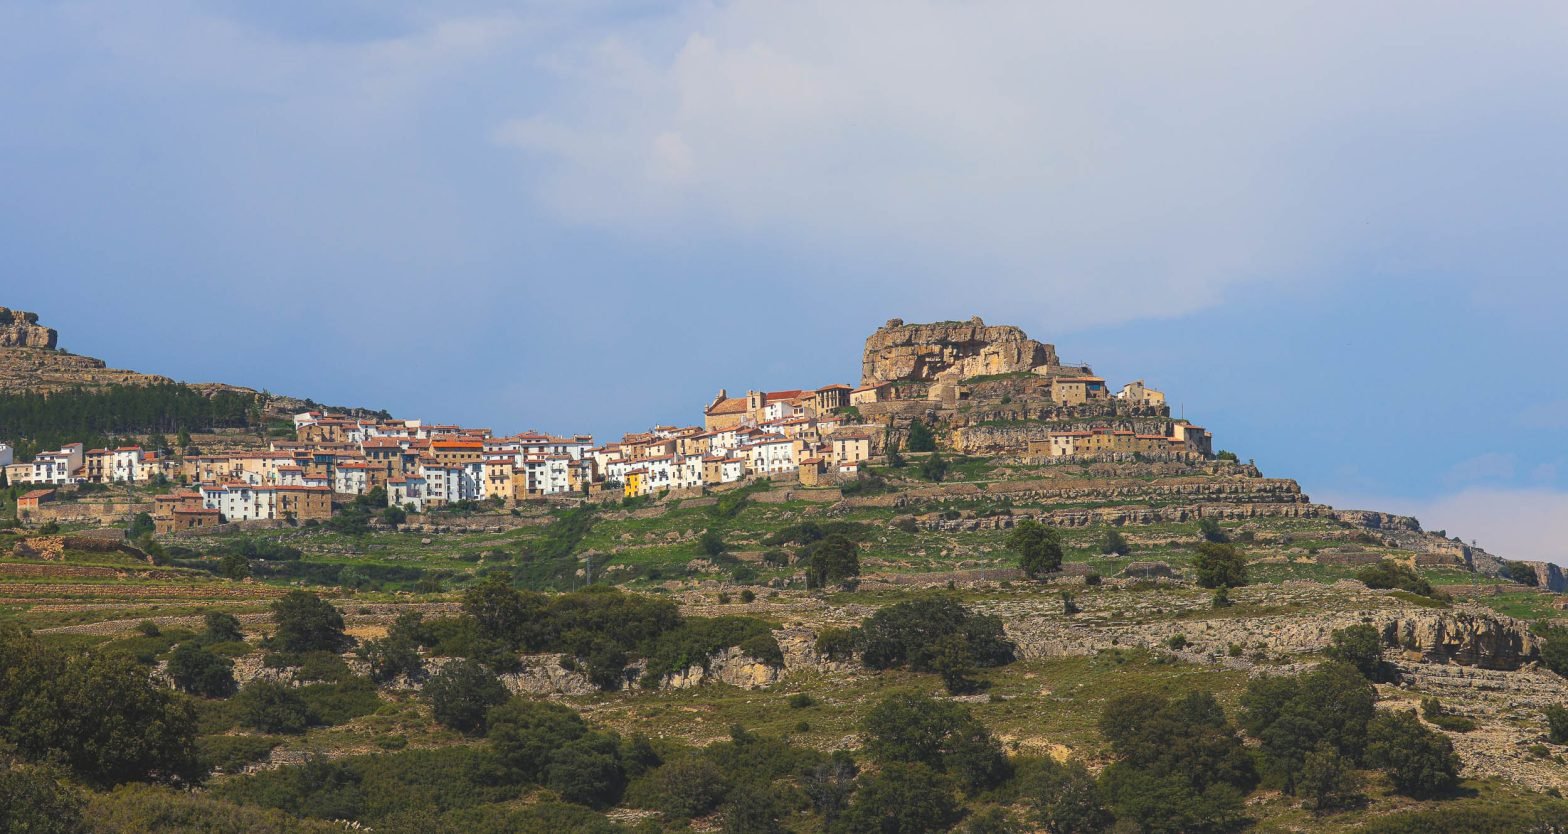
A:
<point x="633" y="485"/>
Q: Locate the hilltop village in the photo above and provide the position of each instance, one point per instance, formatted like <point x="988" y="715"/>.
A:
<point x="973" y="387"/>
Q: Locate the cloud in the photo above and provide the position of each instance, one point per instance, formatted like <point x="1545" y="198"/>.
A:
<point x="1512" y="523"/>
<point x="1104" y="161"/>
<point x="1491" y="466"/>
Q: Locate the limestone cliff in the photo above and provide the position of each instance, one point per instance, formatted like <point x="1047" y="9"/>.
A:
<point x="920" y="352"/>
<point x="21" y="329"/>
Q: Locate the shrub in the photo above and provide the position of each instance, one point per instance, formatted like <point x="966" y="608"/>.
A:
<point x="462" y="693"/>
<point x="390" y="658"/>
<point x="231" y="753"/>
<point x="1391" y="574"/>
<point x="1219" y="565"/>
<point x="1557" y="723"/>
<point x="33" y="800"/>
<point x="272" y="707"/>
<point x="801" y="700"/>
<point x="1418" y="761"/>
<point x="1188" y="739"/>
<point x="587" y="771"/>
<point x="200" y="672"/>
<point x="689" y="787"/>
<point x="1436" y="714"/>
<point x="1520" y="572"/>
<point x="711" y="543"/>
<point x="1211" y="531"/>
<point x="1038" y="546"/>
<point x="836" y="643"/>
<point x="338" y="703"/>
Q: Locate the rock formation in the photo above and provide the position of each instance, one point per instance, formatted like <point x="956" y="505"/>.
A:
<point x="21" y="329"/>
<point x="920" y="352"/>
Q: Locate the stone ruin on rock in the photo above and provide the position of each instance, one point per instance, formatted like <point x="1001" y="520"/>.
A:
<point x="899" y="352"/>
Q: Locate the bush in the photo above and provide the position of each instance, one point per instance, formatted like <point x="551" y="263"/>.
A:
<point x="462" y="693"/>
<point x="1211" y="531"/>
<point x="711" y="543"/>
<point x="272" y="707"/>
<point x="306" y="623"/>
<point x="1391" y="574"/>
<point x="1520" y="572"/>
<point x="1039" y="548"/>
<point x="1219" y="565"/>
<point x="940" y="735"/>
<point x="689" y="787"/>
<point x="1557" y="723"/>
<point x="232" y="753"/>
<point x="391" y="658"/>
<point x="1436" y="714"/>
<point x="933" y="468"/>
<point x="588" y="771"/>
<point x="836" y="643"/>
<point x="1419" y="762"/>
<point x="1188" y="739"/>
<point x="338" y="703"/>
<point x="200" y="672"/>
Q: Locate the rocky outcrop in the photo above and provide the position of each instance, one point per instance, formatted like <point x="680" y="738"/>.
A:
<point x="1463" y="637"/>
<point x="920" y="352"/>
<point x="21" y="329"/>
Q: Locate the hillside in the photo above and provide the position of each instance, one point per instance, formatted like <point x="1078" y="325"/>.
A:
<point x="1214" y="651"/>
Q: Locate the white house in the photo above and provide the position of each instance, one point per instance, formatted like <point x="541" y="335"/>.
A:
<point x="771" y="456"/>
<point x="406" y="492"/>
<point x="351" y="478"/>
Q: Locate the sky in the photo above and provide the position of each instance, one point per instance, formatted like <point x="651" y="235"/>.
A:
<point x="1333" y="233"/>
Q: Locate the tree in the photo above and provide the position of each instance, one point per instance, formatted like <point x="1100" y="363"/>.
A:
<point x="1328" y="779"/>
<point x="1292" y="716"/>
<point x="929" y="634"/>
<point x="34" y="801"/>
<point x="272" y="707"/>
<point x="141" y="525"/>
<point x="941" y="735"/>
<point x="1557" y="723"/>
<point x="183" y="438"/>
<point x="221" y="628"/>
<point x="833" y="560"/>
<point x="588" y="771"/>
<point x="200" y="672"/>
<point x="501" y="612"/>
<point x="1520" y="572"/>
<point x="1115" y="543"/>
<point x="462" y="693"/>
<point x="933" y="468"/>
<point x="390" y="658"/>
<point x="306" y="623"/>
<point x="526" y="734"/>
<point x="1219" y="565"/>
<point x="394" y="516"/>
<point x="711" y="543"/>
<point x="1187" y="738"/>
<point x="690" y="787"/>
<point x="104" y="716"/>
<point x="902" y="799"/>
<point x="1039" y="548"/>
<point x="920" y="438"/>
<point x="1420" y="762"/>
<point x="1066" y="799"/>
<point x="234" y="566"/>
<point x="752" y="810"/>
<point x="1211" y="531"/>
<point x="1362" y="647"/>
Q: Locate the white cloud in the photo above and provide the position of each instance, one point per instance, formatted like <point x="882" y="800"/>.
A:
<point x="1512" y="523"/>
<point x="1068" y="155"/>
<point x="1490" y="466"/>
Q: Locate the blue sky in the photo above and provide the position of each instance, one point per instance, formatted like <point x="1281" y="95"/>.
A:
<point x="1333" y="234"/>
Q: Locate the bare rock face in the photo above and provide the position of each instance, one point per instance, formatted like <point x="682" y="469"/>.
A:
<point x="21" y="329"/>
<point x="920" y="352"/>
